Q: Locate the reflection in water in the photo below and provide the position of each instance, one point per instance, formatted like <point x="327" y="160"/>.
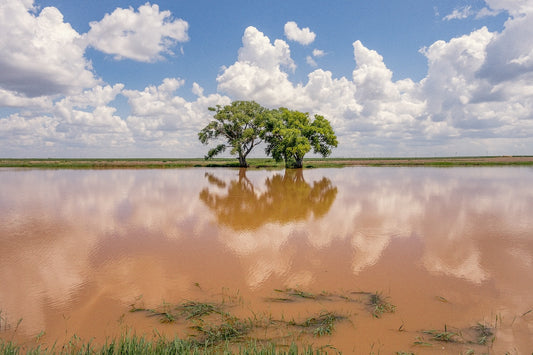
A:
<point x="78" y="246"/>
<point x="286" y="198"/>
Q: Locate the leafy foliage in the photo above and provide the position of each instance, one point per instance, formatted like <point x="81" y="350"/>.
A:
<point x="289" y="134"/>
<point x="241" y="124"/>
<point x="292" y="134"/>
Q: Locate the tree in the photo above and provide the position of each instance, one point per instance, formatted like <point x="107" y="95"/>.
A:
<point x="241" y="124"/>
<point x="291" y="134"/>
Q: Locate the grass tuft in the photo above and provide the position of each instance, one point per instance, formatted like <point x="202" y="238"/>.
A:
<point x="379" y="305"/>
<point x="322" y="325"/>
<point x="484" y="333"/>
<point x="444" y="336"/>
<point x="230" y="329"/>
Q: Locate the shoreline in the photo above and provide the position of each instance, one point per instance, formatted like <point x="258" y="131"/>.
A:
<point x="259" y="163"/>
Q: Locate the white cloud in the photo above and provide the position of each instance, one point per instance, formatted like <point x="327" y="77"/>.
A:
<point x="318" y="53"/>
<point x="161" y="118"/>
<point x="454" y="103"/>
<point x="486" y="12"/>
<point x="508" y="53"/>
<point x="41" y="54"/>
<point x="197" y="89"/>
<point x="451" y="81"/>
<point x="513" y="7"/>
<point x="309" y="60"/>
<point x="370" y="102"/>
<point x="90" y="111"/>
<point x="294" y="33"/>
<point x="459" y="14"/>
<point x="258" y="73"/>
<point x="14" y="99"/>
<point x="257" y="50"/>
<point x="477" y="94"/>
<point x="474" y="89"/>
<point x="143" y="36"/>
<point x="84" y="120"/>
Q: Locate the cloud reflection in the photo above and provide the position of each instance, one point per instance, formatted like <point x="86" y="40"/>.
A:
<point x="130" y="232"/>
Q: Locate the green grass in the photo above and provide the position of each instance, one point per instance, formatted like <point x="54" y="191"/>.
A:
<point x="143" y="345"/>
<point x="323" y="324"/>
<point x="444" y="336"/>
<point x="169" y="313"/>
<point x="379" y="305"/>
<point x="485" y="333"/>
<point x="260" y="163"/>
<point x="229" y="329"/>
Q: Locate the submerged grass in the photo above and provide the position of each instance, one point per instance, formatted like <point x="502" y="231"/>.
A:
<point x="444" y="336"/>
<point x="323" y="324"/>
<point x="379" y="305"/>
<point x="479" y="334"/>
<point x="230" y="329"/>
<point x="485" y="333"/>
<point x="169" y="313"/>
<point x="214" y="330"/>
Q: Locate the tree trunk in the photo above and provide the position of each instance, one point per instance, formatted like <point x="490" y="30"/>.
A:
<point x="292" y="162"/>
<point x="242" y="161"/>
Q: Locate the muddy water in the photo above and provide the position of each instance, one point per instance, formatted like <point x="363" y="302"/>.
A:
<point x="450" y="248"/>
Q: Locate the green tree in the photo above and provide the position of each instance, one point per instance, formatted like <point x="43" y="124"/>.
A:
<point x="241" y="124"/>
<point x="292" y="134"/>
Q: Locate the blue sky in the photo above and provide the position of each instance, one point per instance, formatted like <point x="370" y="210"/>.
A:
<point x="395" y="78"/>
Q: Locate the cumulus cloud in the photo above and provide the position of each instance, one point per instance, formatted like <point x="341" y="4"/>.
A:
<point x="14" y="99"/>
<point x="370" y="101"/>
<point x="143" y="35"/>
<point x="30" y="64"/>
<point x="478" y="85"/>
<point x="301" y="35"/>
<point x="513" y="7"/>
<point x="258" y="72"/>
<point x="159" y="117"/>
<point x="90" y="110"/>
<point x="83" y="120"/>
<point x="451" y="80"/>
<point x="509" y="54"/>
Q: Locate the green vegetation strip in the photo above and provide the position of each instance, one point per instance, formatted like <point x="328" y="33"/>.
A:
<point x="134" y="344"/>
<point x="262" y="163"/>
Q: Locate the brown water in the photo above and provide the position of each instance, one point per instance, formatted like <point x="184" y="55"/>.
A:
<point x="448" y="247"/>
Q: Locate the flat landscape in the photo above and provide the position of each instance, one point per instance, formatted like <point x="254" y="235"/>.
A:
<point x="261" y="162"/>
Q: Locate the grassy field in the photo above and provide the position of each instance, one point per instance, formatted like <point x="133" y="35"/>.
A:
<point x="261" y="163"/>
<point x="142" y="345"/>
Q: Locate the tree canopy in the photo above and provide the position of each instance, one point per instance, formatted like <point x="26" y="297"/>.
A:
<point x="289" y="135"/>
<point x="292" y="134"/>
<point x="241" y="124"/>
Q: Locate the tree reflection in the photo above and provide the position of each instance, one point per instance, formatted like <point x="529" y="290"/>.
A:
<point x="287" y="198"/>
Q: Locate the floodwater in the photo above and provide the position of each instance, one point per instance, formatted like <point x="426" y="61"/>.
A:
<point x="451" y="248"/>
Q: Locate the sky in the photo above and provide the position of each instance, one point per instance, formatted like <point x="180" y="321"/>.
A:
<point x="134" y="79"/>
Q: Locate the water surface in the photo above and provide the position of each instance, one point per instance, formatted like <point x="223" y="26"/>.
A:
<point x="449" y="247"/>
